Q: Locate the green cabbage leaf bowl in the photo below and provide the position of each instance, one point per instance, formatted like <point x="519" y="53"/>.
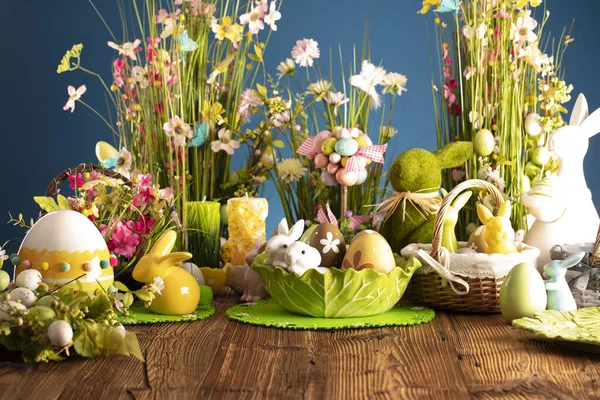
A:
<point x="337" y="293"/>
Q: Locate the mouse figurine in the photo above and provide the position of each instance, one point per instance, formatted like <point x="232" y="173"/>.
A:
<point x="181" y="292"/>
<point x="254" y="288"/>
<point x="560" y="297"/>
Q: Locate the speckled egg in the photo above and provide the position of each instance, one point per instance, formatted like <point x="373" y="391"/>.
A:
<point x="346" y="147"/>
<point x="369" y="249"/>
<point x="328" y="146"/>
<point x="60" y="333"/>
<point x="330" y="243"/>
<point x="24" y="296"/>
<point x="29" y="279"/>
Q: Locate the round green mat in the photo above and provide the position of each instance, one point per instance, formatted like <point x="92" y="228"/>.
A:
<point x="269" y="313"/>
<point x="139" y="315"/>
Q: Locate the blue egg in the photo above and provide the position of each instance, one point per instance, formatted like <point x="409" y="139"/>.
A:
<point x="346" y="147"/>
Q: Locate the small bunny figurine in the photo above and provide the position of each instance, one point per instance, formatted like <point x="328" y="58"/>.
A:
<point x="181" y="292"/>
<point x="498" y="233"/>
<point x="300" y="257"/>
<point x="278" y="245"/>
<point x="254" y="288"/>
<point x="579" y="222"/>
<point x="560" y="297"/>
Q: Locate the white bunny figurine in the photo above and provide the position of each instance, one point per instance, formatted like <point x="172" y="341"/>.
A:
<point x="254" y="288"/>
<point x="579" y="222"/>
<point x="560" y="297"/>
<point x="278" y="245"/>
<point x="300" y="257"/>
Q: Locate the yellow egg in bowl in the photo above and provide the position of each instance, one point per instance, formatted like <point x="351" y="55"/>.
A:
<point x="64" y="245"/>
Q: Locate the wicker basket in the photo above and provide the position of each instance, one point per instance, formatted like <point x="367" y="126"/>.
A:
<point x="585" y="286"/>
<point x="52" y="188"/>
<point x="462" y="282"/>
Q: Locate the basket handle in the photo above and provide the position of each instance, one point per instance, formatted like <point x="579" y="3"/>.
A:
<point x="439" y="222"/>
<point x="52" y="188"/>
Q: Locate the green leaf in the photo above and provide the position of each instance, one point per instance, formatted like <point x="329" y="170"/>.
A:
<point x="337" y="293"/>
<point x="144" y="295"/>
<point x="259" y="53"/>
<point x="63" y="203"/>
<point x="262" y="91"/>
<point x="46" y="203"/>
<point x="99" y="305"/>
<point x="127" y="300"/>
<point x="84" y="344"/>
<point x="279" y="144"/>
<point x="120" y="286"/>
<point x="254" y="58"/>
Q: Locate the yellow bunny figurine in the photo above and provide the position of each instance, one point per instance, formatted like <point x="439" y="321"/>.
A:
<point x="498" y="233"/>
<point x="181" y="293"/>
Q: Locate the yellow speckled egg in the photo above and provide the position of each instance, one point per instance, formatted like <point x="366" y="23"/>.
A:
<point x="369" y="249"/>
<point x="64" y="245"/>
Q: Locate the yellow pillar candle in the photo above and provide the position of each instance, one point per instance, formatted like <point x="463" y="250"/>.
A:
<point x="247" y="223"/>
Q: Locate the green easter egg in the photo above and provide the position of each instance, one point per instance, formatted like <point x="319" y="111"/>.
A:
<point x="224" y="215"/>
<point x="346" y="147"/>
<point x="484" y="142"/>
<point x="44" y="314"/>
<point x="4" y="280"/>
<point x="306" y="235"/>
<point x="206" y="295"/>
<point x="328" y="146"/>
<point x="45" y="301"/>
<point x="540" y="156"/>
<point x="523" y="293"/>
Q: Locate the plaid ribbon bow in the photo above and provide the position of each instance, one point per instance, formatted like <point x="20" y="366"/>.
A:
<point x="307" y="148"/>
<point x="355" y="220"/>
<point x="373" y="153"/>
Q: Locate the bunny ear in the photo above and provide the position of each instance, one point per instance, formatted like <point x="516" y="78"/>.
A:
<point x="572" y="260"/>
<point x="591" y="125"/>
<point x="173" y="258"/>
<point x="505" y="209"/>
<point x="164" y="244"/>
<point x="484" y="214"/>
<point x="258" y="243"/>
<point x="283" y="229"/>
<point x="580" y="111"/>
<point x="297" y="229"/>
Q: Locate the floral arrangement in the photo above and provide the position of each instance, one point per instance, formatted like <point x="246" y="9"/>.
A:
<point x="499" y="88"/>
<point x="303" y="174"/>
<point x="178" y="93"/>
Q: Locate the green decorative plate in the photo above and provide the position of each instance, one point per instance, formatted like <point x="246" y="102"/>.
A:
<point x="139" y="315"/>
<point x="337" y="293"/>
<point x="578" y="329"/>
<point x="269" y="313"/>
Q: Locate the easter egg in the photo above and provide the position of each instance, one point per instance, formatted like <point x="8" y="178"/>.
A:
<point x="332" y="168"/>
<point x="369" y="249"/>
<point x="523" y="293"/>
<point x="4" y="280"/>
<point x="484" y="142"/>
<point x="320" y="138"/>
<point x="45" y="301"/>
<point x="62" y="238"/>
<point x="346" y="147"/>
<point x="328" y="179"/>
<point x="195" y="271"/>
<point x="43" y="314"/>
<point x="343" y="133"/>
<point x="335" y="158"/>
<point x="540" y="156"/>
<point x="361" y="176"/>
<point x="330" y="243"/>
<point x="306" y="235"/>
<point x="29" y="279"/>
<point x="321" y="160"/>
<point x="364" y="139"/>
<point x="328" y="146"/>
<point x="355" y="132"/>
<point x="60" y="333"/>
<point x="24" y="296"/>
<point x="346" y="178"/>
<point x="533" y="125"/>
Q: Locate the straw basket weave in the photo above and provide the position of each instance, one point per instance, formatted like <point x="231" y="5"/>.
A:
<point x="586" y="287"/>
<point x="52" y="188"/>
<point x="462" y="281"/>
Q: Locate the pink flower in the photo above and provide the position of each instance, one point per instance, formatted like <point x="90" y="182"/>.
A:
<point x="166" y="194"/>
<point x="305" y="51"/>
<point x="502" y="14"/>
<point x="145" y="180"/>
<point x="449" y="95"/>
<point x="76" y="181"/>
<point x="178" y="130"/>
<point x="224" y="142"/>
<point x="127" y="49"/>
<point x="254" y="18"/>
<point x="273" y="16"/>
<point x="248" y="101"/>
<point x="74" y="95"/>
<point x="144" y="225"/>
<point x="123" y="241"/>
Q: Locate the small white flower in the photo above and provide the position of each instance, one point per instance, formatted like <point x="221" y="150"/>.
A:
<point x="74" y="95"/>
<point x="330" y="244"/>
<point x="469" y="72"/>
<point x="286" y="67"/>
<point x="394" y="83"/>
<point x="387" y="132"/>
<point x="178" y="130"/>
<point x="254" y="18"/>
<point x="523" y="29"/>
<point x="3" y="255"/>
<point x="225" y="142"/>
<point x="370" y="76"/>
<point x="158" y="284"/>
<point x="273" y="16"/>
<point x="127" y="49"/>
<point x="290" y="170"/>
<point x="118" y="301"/>
<point x="319" y="89"/>
<point x="336" y="100"/>
<point x="141" y="76"/>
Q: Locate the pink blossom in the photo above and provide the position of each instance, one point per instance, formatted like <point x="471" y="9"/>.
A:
<point x="76" y="181"/>
<point x="123" y="241"/>
<point x="305" y="51"/>
<point x="144" y="225"/>
<point x="248" y="101"/>
<point x="74" y="95"/>
<point x="449" y="95"/>
<point x="166" y="194"/>
<point x="254" y="18"/>
<point x="502" y="14"/>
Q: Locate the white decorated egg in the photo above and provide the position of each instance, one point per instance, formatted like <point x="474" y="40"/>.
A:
<point x="60" y="333"/>
<point x="195" y="271"/>
<point x="29" y="279"/>
<point x="24" y="296"/>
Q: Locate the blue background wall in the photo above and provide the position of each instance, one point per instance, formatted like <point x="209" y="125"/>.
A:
<point x="39" y="139"/>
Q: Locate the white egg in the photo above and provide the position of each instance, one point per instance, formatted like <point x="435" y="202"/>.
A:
<point x="343" y="134"/>
<point x="533" y="125"/>
<point x="195" y="271"/>
<point x="24" y="295"/>
<point x="335" y="158"/>
<point x="29" y="279"/>
<point x="7" y="308"/>
<point x="363" y="174"/>
<point x="60" y="333"/>
<point x="355" y="132"/>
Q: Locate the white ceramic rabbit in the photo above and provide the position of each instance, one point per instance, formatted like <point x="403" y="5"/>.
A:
<point x="278" y="245"/>
<point x="300" y="257"/>
<point x="254" y="288"/>
<point x="560" y="297"/>
<point x="579" y="222"/>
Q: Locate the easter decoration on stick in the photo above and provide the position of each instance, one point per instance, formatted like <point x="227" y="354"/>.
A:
<point x="579" y="221"/>
<point x="180" y="292"/>
<point x="560" y="297"/>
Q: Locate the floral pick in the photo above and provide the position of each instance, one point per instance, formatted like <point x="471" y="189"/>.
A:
<point x="200" y="134"/>
<point x="449" y="6"/>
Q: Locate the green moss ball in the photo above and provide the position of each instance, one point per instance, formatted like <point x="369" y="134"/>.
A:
<point x="414" y="170"/>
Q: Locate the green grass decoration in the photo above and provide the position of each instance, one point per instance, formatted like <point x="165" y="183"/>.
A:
<point x="203" y="232"/>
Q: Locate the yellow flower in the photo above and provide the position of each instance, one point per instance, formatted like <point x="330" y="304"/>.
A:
<point x="228" y="30"/>
<point x="89" y="208"/>
<point x="520" y="4"/>
<point x="427" y="4"/>
<point x="65" y="63"/>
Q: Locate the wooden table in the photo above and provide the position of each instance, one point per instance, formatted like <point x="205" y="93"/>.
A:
<point x="454" y="356"/>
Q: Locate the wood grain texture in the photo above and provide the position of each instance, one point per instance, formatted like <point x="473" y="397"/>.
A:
<point x="456" y="356"/>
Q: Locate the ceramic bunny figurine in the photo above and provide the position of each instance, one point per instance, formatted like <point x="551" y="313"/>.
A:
<point x="300" y="257"/>
<point x="498" y="233"/>
<point x="278" y="245"/>
<point x="181" y="292"/>
<point x="579" y="221"/>
<point x="254" y="288"/>
<point x="560" y="297"/>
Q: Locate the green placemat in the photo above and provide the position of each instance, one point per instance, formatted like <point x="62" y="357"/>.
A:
<point x="139" y="315"/>
<point x="269" y="313"/>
